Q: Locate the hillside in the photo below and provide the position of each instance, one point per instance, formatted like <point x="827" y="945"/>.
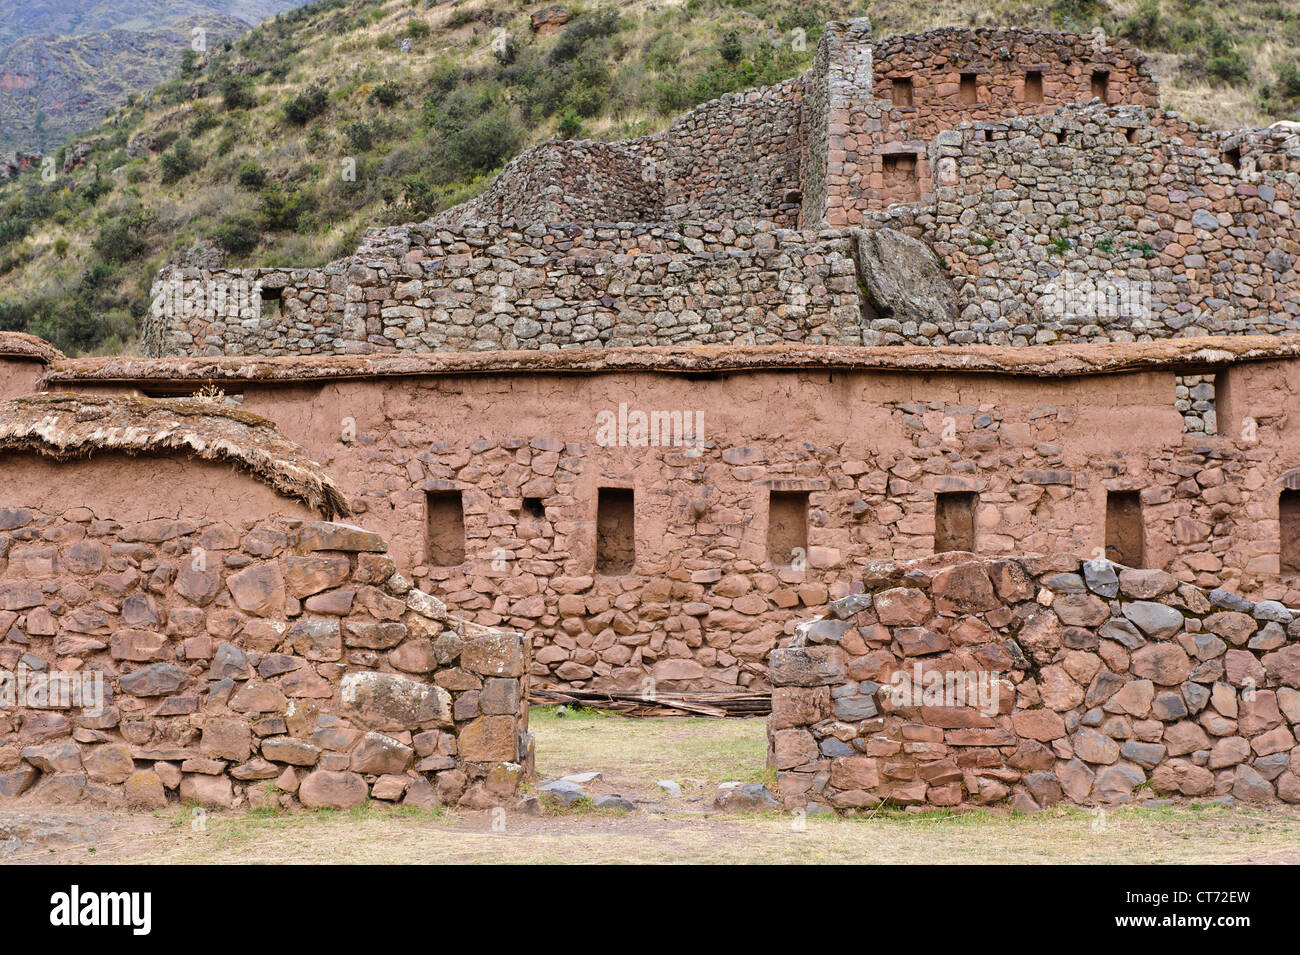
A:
<point x="25" y="18"/>
<point x="341" y="115"/>
<point x="63" y="64"/>
<point x="53" y="86"/>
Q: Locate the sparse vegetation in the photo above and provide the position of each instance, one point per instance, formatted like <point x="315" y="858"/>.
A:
<point x="245" y="145"/>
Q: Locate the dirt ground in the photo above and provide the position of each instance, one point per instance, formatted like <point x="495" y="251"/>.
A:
<point x="632" y="756"/>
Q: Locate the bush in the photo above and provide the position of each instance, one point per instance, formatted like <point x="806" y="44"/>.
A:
<point x="361" y="136"/>
<point x="1230" y="67"/>
<point x="202" y="122"/>
<point x="179" y="161"/>
<point x="589" y="26"/>
<point x="1288" y="81"/>
<point x="280" y="209"/>
<point x="570" y="126"/>
<point x="121" y="238"/>
<point x="730" y="47"/>
<point x="237" y="234"/>
<point x="482" y="145"/>
<point x="237" y="93"/>
<point x="307" y="105"/>
<point x="251" y="175"/>
<point x="386" y="94"/>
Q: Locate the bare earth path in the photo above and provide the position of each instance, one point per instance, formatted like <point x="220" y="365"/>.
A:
<point x="633" y="755"/>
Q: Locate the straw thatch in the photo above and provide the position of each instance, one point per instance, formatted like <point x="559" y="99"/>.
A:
<point x="65" y="426"/>
<point x="1042" y="361"/>
<point x="22" y="345"/>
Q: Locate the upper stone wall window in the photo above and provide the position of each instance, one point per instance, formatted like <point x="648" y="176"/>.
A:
<point x="902" y="178"/>
<point x="1034" y="86"/>
<point x="900" y="90"/>
<point x="272" y="302"/>
<point x="969" y="89"/>
<point x="1101" y="85"/>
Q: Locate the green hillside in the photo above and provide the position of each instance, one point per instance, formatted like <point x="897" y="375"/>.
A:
<point x="282" y="146"/>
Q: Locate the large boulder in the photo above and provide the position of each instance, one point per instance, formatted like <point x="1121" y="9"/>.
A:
<point x="901" y="278"/>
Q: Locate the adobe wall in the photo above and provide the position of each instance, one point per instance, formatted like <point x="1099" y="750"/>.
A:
<point x="706" y="601"/>
<point x="19" y="375"/>
<point x="1038" y="680"/>
<point x="249" y="655"/>
<point x="426" y="288"/>
<point x="1102" y="224"/>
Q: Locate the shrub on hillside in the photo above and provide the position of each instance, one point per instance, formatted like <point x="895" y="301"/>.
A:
<point x="237" y="234"/>
<point x="307" y="105"/>
<point x="179" y="161"/>
<point x="251" y="175"/>
<point x="237" y="93"/>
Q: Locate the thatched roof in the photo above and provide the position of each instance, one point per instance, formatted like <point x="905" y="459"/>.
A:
<point x="65" y="426"/>
<point x="22" y="345"/>
<point x="1042" y="361"/>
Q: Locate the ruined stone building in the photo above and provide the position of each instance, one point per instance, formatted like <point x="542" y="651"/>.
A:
<point x="656" y="404"/>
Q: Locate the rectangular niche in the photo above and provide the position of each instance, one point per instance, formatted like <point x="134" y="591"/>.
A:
<point x="1101" y="85"/>
<point x="1288" y="514"/>
<point x="1125" y="534"/>
<point x="969" y="89"/>
<point x="615" y="530"/>
<point x="954" y="521"/>
<point x="444" y="528"/>
<point x="1034" y="86"/>
<point x="902" y="177"/>
<point x="787" y="526"/>
<point x="900" y="91"/>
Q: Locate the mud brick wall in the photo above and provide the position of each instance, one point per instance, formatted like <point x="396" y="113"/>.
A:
<point x="568" y="182"/>
<point x="706" y="600"/>
<point x="1112" y="224"/>
<point x="1113" y="685"/>
<point x="425" y="288"/>
<point x="19" y="375"/>
<point x="279" y="662"/>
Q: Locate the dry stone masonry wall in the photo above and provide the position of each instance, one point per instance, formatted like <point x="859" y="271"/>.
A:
<point x="279" y="663"/>
<point x="1055" y="221"/>
<point x="1036" y="681"/>
<point x="1102" y="224"/>
<point x="425" y="288"/>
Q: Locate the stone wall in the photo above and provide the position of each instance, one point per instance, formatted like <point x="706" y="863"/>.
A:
<point x="269" y="663"/>
<point x="216" y="311"/>
<point x="425" y="288"/>
<point x="874" y="450"/>
<point x="877" y="105"/>
<point x="1036" y="681"/>
<point x="1108" y="224"/>
<point x="568" y="182"/>
<point x="736" y="157"/>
